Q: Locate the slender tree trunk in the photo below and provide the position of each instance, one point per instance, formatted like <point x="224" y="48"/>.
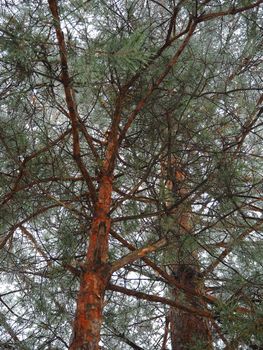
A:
<point x="96" y="270"/>
<point x="188" y="331"/>
<point x="95" y="276"/>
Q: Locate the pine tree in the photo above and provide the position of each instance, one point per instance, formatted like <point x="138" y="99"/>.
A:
<point x="131" y="178"/>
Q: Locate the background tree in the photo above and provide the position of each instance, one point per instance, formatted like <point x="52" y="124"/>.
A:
<point x="131" y="177"/>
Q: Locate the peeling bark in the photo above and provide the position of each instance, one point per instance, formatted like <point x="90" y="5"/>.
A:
<point x="88" y="318"/>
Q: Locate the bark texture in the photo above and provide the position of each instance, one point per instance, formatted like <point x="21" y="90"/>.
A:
<point x="189" y="331"/>
<point x="96" y="270"/>
<point x="95" y="276"/>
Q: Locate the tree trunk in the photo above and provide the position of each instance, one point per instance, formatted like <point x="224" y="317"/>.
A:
<point x="188" y="331"/>
<point x="95" y="270"/>
<point x="95" y="277"/>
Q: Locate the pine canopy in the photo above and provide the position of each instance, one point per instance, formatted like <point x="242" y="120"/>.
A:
<point x="131" y="185"/>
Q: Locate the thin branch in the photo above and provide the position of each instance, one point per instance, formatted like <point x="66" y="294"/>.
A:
<point x="138" y="254"/>
<point x="124" y="338"/>
<point x="166" y="332"/>
<point x="23" y="171"/>
<point x="230" y="11"/>
<point x="157" y="299"/>
<point x="8" y="235"/>
<point x="153" y="86"/>
<point x="230" y="248"/>
<point x="32" y="239"/>
<point x="71" y="103"/>
<point x="160" y="272"/>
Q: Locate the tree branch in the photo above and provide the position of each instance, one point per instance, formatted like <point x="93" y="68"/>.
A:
<point x="230" y="248"/>
<point x="157" y="299"/>
<point x="230" y="11"/>
<point x="137" y="254"/>
<point x="69" y="95"/>
<point x="153" y="86"/>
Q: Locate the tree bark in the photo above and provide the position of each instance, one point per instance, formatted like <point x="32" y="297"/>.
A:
<point x="95" y="270"/>
<point x="95" y="277"/>
<point x="188" y="331"/>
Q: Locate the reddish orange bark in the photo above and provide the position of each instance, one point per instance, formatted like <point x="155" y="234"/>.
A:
<point x="95" y="276"/>
<point x="96" y="270"/>
<point x="89" y="309"/>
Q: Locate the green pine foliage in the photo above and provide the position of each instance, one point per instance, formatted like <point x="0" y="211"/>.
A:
<point x="203" y="111"/>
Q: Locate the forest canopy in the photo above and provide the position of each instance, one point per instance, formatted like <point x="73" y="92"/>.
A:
<point x="131" y="208"/>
